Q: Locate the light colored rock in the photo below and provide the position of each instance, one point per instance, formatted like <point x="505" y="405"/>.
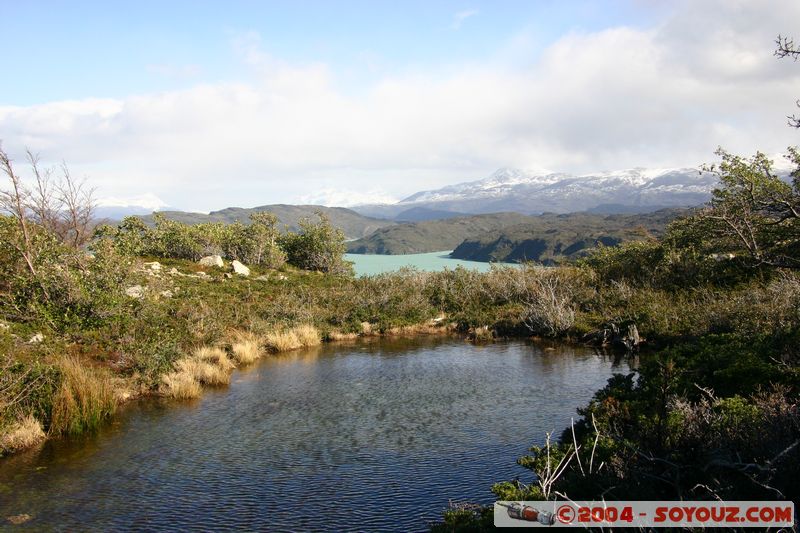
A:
<point x="227" y="275"/>
<point x="137" y="291"/>
<point x="240" y="269"/>
<point x="166" y="294"/>
<point x="281" y="277"/>
<point x="36" y="339"/>
<point x="212" y="260"/>
<point x="155" y="265"/>
<point x="173" y="271"/>
<point x="18" y="519"/>
<point x="265" y="277"/>
<point x="4" y="326"/>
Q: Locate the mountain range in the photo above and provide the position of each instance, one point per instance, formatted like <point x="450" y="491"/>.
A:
<point x="635" y="190"/>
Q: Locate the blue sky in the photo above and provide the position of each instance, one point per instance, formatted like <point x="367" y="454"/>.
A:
<point x="203" y="105"/>
<point x="70" y="50"/>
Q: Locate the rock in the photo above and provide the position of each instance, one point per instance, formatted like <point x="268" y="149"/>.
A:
<point x="4" y="326"/>
<point x="166" y="294"/>
<point x="281" y="277"/>
<point x="227" y="275"/>
<point x="155" y="265"/>
<point x="137" y="291"/>
<point x="212" y="260"/>
<point x="262" y="278"/>
<point x="240" y="269"/>
<point x="173" y="271"/>
<point x="36" y="339"/>
<point x="18" y="519"/>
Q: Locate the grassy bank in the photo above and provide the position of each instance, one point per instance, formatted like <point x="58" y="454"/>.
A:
<point x="184" y="331"/>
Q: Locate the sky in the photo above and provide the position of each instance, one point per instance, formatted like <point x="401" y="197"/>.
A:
<point x="202" y="105"/>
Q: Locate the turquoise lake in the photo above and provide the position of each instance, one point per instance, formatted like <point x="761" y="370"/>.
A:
<point x="367" y="265"/>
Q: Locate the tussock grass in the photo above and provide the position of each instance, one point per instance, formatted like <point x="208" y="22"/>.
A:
<point x="214" y="356"/>
<point x="246" y="348"/>
<point x="416" y="329"/>
<point x="84" y="398"/>
<point x="480" y="334"/>
<point x="204" y="372"/>
<point x="339" y="336"/>
<point x="24" y="433"/>
<point x="301" y="336"/>
<point x="181" y="386"/>
<point x="206" y="366"/>
<point x="308" y="335"/>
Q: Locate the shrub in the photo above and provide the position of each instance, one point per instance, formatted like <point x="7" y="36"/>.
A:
<point x="319" y="246"/>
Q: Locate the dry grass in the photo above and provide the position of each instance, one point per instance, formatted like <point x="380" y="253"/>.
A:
<point x="308" y="335"/>
<point x="203" y="372"/>
<point x="301" y="336"/>
<point x="416" y="329"/>
<point x="85" y="397"/>
<point x="23" y="434"/>
<point x="339" y="336"/>
<point x="480" y="334"/>
<point x="246" y="348"/>
<point x="206" y="366"/>
<point x="214" y="356"/>
<point x="181" y="386"/>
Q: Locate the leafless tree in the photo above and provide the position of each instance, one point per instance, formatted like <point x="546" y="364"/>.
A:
<point x="787" y="48"/>
<point x="15" y="201"/>
<point x="63" y="206"/>
<point x="77" y="208"/>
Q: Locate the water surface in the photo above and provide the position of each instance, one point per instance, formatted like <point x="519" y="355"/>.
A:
<point x="370" y="436"/>
<point x="370" y="264"/>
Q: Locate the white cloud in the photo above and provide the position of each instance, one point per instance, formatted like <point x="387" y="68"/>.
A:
<point x="147" y="200"/>
<point x="461" y="16"/>
<point x="335" y="197"/>
<point x="619" y="98"/>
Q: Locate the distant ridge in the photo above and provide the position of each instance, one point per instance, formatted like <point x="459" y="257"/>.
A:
<point x="637" y="190"/>
<point x="351" y="223"/>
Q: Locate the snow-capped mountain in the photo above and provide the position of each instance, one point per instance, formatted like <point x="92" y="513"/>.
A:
<point x="510" y="189"/>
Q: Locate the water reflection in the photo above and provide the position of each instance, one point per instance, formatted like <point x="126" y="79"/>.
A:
<point x="373" y="436"/>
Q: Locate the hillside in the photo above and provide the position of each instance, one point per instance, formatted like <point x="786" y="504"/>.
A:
<point x="431" y="236"/>
<point x="353" y="224"/>
<point x="550" y="238"/>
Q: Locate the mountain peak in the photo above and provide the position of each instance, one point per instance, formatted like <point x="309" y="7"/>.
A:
<point x="513" y="189"/>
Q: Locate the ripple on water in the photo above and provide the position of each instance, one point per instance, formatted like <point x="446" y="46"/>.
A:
<point x="365" y="437"/>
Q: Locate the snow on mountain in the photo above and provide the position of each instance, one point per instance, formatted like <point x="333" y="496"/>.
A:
<point x="534" y="192"/>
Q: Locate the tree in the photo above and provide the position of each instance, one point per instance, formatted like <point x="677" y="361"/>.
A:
<point x="787" y="48"/>
<point x="261" y="238"/>
<point x="754" y="214"/>
<point x="62" y="206"/>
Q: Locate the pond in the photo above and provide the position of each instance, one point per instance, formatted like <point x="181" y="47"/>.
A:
<point x="374" y="436"/>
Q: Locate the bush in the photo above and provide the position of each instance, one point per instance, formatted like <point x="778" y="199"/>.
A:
<point x="319" y="246"/>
